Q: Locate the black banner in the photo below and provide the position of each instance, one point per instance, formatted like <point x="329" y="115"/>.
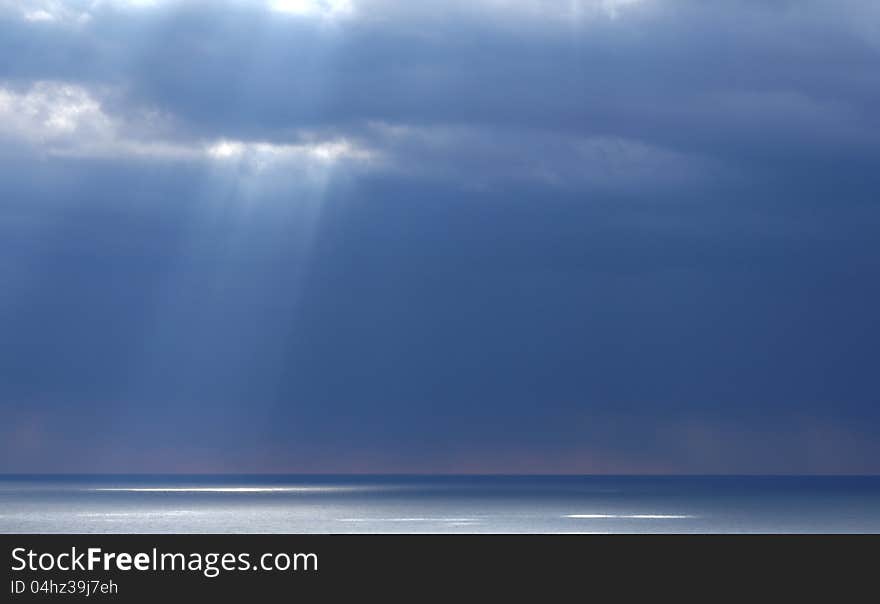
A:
<point x="135" y="568"/>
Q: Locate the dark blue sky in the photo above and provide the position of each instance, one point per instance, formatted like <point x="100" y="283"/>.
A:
<point x="484" y="236"/>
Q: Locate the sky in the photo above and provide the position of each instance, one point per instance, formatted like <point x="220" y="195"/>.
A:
<point x="481" y="236"/>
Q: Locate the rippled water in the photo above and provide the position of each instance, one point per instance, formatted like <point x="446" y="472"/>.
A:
<point x="471" y="504"/>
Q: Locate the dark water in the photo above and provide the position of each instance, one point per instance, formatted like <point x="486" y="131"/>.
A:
<point x="416" y="504"/>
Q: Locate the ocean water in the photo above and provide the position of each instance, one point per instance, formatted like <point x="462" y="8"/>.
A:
<point x="438" y="504"/>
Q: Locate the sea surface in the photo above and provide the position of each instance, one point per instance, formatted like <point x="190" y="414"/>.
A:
<point x="439" y="504"/>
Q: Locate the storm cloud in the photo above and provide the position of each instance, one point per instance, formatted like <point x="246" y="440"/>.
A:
<point x="323" y="236"/>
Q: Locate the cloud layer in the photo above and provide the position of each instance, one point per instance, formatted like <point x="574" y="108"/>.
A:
<point x="608" y="235"/>
<point x="636" y="82"/>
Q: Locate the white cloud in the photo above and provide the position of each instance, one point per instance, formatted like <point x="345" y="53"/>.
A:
<point x="313" y="8"/>
<point x="60" y="119"/>
<point x="66" y="120"/>
<point x="264" y="154"/>
<point x="38" y="15"/>
<point x="73" y="12"/>
<point x="52" y="113"/>
<point x="69" y="12"/>
<point x="48" y="11"/>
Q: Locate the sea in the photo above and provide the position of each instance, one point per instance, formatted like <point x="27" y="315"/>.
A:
<point x="438" y="504"/>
